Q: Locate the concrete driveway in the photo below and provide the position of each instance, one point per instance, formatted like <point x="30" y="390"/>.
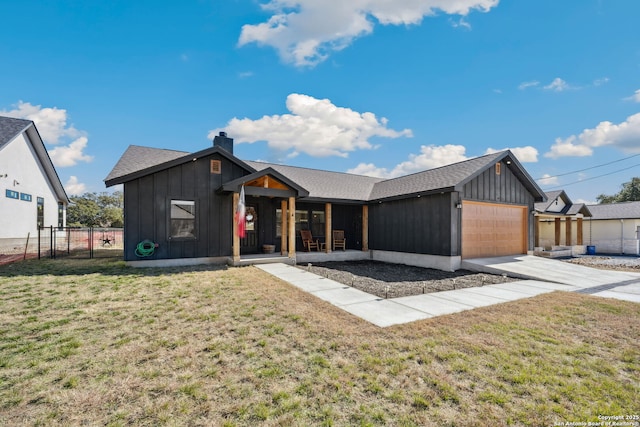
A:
<point x="542" y="276"/>
<point x="606" y="283"/>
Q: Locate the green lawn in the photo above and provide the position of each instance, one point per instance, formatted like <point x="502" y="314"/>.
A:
<point x="92" y="342"/>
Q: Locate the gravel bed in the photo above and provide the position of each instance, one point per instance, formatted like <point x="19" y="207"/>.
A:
<point x="619" y="263"/>
<point x="387" y="280"/>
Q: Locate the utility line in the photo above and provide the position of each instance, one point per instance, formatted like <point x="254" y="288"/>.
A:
<point x="594" y="177"/>
<point x="589" y="168"/>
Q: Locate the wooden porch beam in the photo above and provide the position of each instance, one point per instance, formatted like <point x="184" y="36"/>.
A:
<point x="328" y="227"/>
<point x="236" y="238"/>
<point x="579" y="231"/>
<point x="536" y="231"/>
<point x="557" y="231"/>
<point x="365" y="227"/>
<point x="283" y="228"/>
<point x="568" y="237"/>
<point x="291" y="213"/>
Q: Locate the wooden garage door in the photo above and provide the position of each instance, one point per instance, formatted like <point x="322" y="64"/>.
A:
<point x="490" y="230"/>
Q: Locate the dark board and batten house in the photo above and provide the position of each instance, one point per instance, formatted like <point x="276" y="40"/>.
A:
<point x="184" y="203"/>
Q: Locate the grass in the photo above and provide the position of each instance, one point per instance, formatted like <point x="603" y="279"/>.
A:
<point x="94" y="342"/>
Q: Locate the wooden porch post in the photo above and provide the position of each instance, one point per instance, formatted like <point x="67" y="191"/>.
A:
<point x="236" y="238"/>
<point x="579" y="232"/>
<point x="327" y="227"/>
<point x="567" y="232"/>
<point x="536" y="230"/>
<point x="365" y="227"/>
<point x="292" y="227"/>
<point x="557" y="232"/>
<point x="283" y="228"/>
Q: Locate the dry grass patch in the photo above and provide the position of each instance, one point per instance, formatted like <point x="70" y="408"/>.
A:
<point x="93" y="342"/>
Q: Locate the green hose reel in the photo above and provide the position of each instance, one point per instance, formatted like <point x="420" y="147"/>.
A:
<point x="145" y="248"/>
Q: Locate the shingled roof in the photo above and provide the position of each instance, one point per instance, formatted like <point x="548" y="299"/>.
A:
<point x="444" y="178"/>
<point x="326" y="185"/>
<point x="625" y="210"/>
<point x="333" y="186"/>
<point x="10" y="128"/>
<point x="569" y="208"/>
<point x="137" y="158"/>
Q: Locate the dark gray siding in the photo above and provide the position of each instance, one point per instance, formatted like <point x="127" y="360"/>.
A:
<point x="421" y="225"/>
<point x="147" y="202"/>
<point x="504" y="188"/>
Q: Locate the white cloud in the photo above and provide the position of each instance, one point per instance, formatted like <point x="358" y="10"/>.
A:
<point x="52" y="127"/>
<point x="73" y="187"/>
<point x="635" y="97"/>
<point x="315" y="126"/>
<point x="568" y="148"/>
<point x="525" y="85"/>
<point x="70" y="155"/>
<point x="527" y="154"/>
<point x="51" y="122"/>
<point x="557" y="85"/>
<point x="548" y="180"/>
<point x="460" y="23"/>
<point x="601" y="81"/>
<point x="305" y="32"/>
<point x="431" y="156"/>
<point x="369" y="169"/>
<point x="624" y="136"/>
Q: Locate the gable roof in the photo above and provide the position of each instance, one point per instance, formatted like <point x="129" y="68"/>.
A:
<point x="329" y="186"/>
<point x="11" y="127"/>
<point x="451" y="178"/>
<point x="624" y="210"/>
<point x="294" y="188"/>
<point x="325" y="185"/>
<point x="140" y="161"/>
<point x="569" y="208"/>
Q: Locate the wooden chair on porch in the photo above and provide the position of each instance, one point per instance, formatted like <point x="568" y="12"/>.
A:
<point x="308" y="241"/>
<point x="339" y="240"/>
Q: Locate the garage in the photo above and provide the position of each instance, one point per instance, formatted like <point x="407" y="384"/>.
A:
<point x="491" y="229"/>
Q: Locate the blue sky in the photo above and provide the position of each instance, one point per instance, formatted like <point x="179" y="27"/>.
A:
<point x="364" y="86"/>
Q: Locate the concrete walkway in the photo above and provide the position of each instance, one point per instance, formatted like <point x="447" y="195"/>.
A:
<point x="387" y="312"/>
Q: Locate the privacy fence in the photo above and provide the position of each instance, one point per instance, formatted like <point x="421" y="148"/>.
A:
<point x="66" y="242"/>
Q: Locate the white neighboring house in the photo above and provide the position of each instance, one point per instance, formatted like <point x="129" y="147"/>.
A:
<point x="614" y="228"/>
<point x="31" y="194"/>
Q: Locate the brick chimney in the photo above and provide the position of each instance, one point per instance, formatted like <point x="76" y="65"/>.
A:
<point x="223" y="142"/>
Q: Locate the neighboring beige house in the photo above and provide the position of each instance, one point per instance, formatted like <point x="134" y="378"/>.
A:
<point x="614" y="228"/>
<point x="560" y="225"/>
<point x="31" y="195"/>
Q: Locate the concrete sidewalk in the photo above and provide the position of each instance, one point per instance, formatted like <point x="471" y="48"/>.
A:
<point x="387" y="312"/>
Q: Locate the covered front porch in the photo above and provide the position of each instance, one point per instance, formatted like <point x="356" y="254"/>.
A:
<point x="277" y="209"/>
<point x="559" y="235"/>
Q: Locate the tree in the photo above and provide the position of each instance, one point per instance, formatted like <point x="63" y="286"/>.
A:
<point x="630" y="193"/>
<point x="96" y="210"/>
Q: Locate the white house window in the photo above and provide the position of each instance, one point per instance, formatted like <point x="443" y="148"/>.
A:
<point x="12" y="194"/>
<point x="25" y="197"/>
<point x="183" y="219"/>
